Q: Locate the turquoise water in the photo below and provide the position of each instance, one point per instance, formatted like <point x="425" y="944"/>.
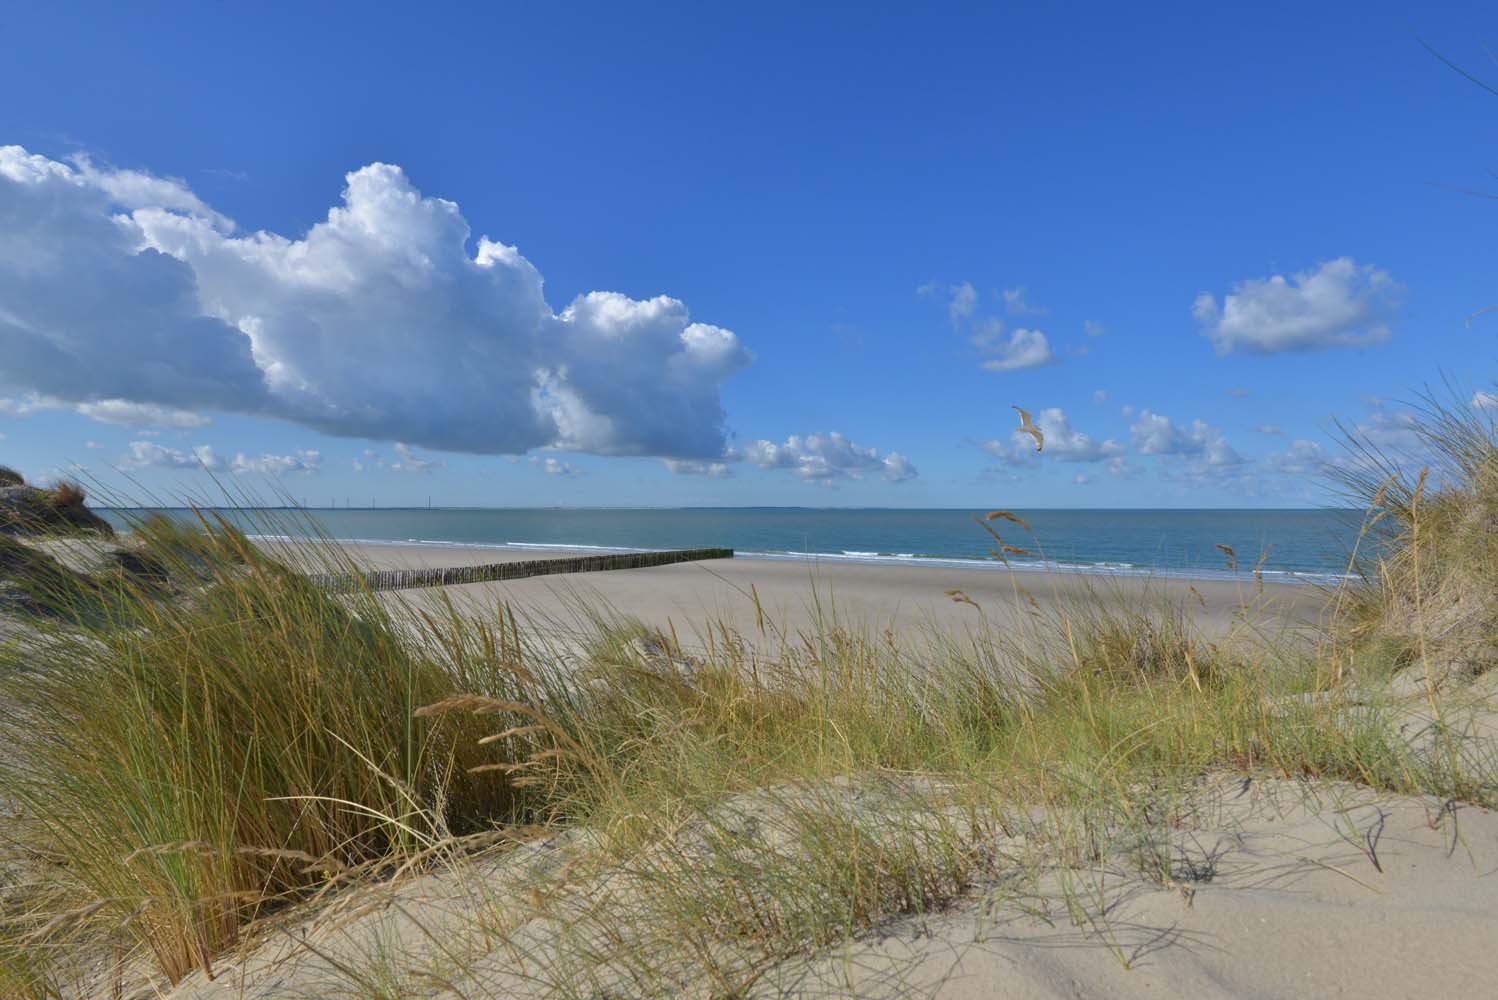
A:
<point x="1298" y="544"/>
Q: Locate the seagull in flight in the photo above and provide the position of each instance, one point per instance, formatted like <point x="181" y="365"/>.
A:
<point x="1027" y="426"/>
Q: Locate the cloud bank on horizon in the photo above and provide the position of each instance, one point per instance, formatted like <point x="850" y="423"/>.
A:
<point x="125" y="296"/>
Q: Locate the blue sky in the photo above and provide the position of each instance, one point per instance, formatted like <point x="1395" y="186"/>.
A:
<point x="1217" y="231"/>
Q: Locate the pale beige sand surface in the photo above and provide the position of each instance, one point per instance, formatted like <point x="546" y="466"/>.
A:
<point x="1282" y="890"/>
<point x="877" y="596"/>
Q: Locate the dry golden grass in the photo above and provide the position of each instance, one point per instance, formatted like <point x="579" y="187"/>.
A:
<point x="1431" y="590"/>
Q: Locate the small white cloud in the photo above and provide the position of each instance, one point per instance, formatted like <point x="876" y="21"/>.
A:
<point x="105" y="411"/>
<point x="1301" y="458"/>
<point x="92" y="445"/>
<point x="1394" y="432"/>
<point x="962" y="299"/>
<point x="553" y="467"/>
<point x="29" y="403"/>
<point x="1093" y="328"/>
<point x="122" y="411"/>
<point x="148" y="454"/>
<point x="826" y="458"/>
<point x="897" y="468"/>
<point x="1339" y="304"/>
<point x="712" y="470"/>
<point x="1009" y="452"/>
<point x="1127" y="409"/>
<point x="1484" y="400"/>
<point x="1023" y="349"/>
<point x="1271" y="429"/>
<point x="1063" y="443"/>
<point x="304" y="462"/>
<point x="357" y="465"/>
<point x="1156" y="434"/>
<point x="1015" y="304"/>
<point x="1100" y="396"/>
<point x="1081" y="479"/>
<point x="408" y="461"/>
<point x="1067" y="444"/>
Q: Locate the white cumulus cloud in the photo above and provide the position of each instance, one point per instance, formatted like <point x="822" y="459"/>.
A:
<point x="149" y="454"/>
<point x="105" y="411"/>
<point x="1063" y="442"/>
<point x="555" y="467"/>
<point x="304" y="462"/>
<point x="27" y="404"/>
<point x="122" y="287"/>
<point x="408" y="461"/>
<point x="826" y="458"/>
<point x="1066" y="443"/>
<point x="122" y="411"/>
<point x="1301" y="458"/>
<point x="1339" y="304"/>
<point x="691" y="467"/>
<point x="1023" y="349"/>
<point x="1157" y="434"/>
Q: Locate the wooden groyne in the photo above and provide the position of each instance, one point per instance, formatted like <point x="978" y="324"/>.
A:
<point x="400" y="579"/>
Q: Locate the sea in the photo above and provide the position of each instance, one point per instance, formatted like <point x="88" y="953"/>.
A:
<point x="1289" y="545"/>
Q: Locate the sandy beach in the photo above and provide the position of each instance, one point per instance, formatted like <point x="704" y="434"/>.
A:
<point x="792" y="592"/>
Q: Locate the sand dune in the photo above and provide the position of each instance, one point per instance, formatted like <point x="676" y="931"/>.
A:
<point x="1280" y="889"/>
<point x="1268" y="887"/>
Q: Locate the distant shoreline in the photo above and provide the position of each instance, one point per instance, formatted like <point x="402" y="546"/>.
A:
<point x="872" y="559"/>
<point x="1200" y="544"/>
<point x="946" y="510"/>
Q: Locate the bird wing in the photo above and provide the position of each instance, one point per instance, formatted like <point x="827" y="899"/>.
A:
<point x="1027" y="426"/>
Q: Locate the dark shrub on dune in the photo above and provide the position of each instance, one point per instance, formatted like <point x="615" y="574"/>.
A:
<point x="61" y="510"/>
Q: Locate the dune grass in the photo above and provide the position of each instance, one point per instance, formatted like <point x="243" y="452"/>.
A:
<point x="194" y="761"/>
<point x="1432" y="593"/>
<point x="201" y="742"/>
